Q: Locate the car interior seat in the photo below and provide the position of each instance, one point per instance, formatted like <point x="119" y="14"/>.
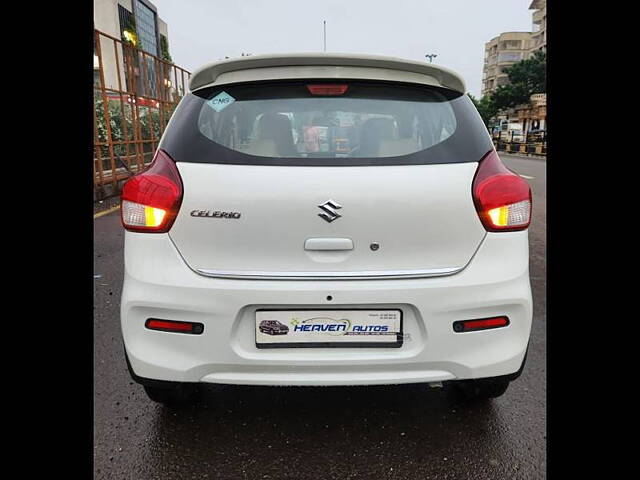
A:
<point x="274" y="137"/>
<point x="404" y="143"/>
<point x="372" y="132"/>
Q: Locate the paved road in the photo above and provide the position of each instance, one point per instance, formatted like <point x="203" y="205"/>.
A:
<point x="401" y="432"/>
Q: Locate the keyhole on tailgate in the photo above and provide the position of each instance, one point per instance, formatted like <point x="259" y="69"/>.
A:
<point x="329" y="298"/>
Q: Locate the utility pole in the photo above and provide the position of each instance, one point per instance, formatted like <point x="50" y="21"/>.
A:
<point x="325" y="34"/>
<point x="431" y="56"/>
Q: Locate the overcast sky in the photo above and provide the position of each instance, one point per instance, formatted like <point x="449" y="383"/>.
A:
<point x="202" y="31"/>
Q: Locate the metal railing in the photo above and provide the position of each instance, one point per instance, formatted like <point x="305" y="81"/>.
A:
<point x="135" y="94"/>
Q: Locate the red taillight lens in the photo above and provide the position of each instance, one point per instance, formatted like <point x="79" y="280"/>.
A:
<point x="150" y="200"/>
<point x="326" y="89"/>
<point x="174" y="326"/>
<point x="502" y="198"/>
<point x="480" y="324"/>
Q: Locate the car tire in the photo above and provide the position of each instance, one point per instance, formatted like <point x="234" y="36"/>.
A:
<point x="181" y="394"/>
<point x="483" y="388"/>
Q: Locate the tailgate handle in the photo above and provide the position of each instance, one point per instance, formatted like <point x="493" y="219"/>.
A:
<point x="328" y="244"/>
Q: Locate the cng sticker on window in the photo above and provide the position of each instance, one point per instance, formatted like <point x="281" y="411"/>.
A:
<point x="221" y="101"/>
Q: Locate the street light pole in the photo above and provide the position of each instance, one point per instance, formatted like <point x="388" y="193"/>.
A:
<point x="431" y="56"/>
<point x="324" y="22"/>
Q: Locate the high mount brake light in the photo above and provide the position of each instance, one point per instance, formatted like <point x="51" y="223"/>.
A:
<point x="150" y="200"/>
<point x="502" y="198"/>
<point x="328" y="89"/>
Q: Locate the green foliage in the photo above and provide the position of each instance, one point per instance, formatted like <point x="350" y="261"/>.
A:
<point x="529" y="76"/>
<point x="130" y="26"/>
<point x="164" y="49"/>
<point x="148" y="123"/>
<point x="525" y="78"/>
<point x="486" y="108"/>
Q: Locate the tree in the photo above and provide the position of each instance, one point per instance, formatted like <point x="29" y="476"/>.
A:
<point x="525" y="78"/>
<point x="486" y="108"/>
<point x="530" y="74"/>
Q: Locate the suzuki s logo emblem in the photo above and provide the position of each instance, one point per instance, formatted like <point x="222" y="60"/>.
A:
<point x="329" y="210"/>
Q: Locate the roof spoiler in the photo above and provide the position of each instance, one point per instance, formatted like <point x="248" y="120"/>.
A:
<point x="207" y="75"/>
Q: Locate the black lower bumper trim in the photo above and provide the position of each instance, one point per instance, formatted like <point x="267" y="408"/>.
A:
<point x="152" y="382"/>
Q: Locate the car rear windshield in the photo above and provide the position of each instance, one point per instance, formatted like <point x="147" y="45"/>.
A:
<point x="298" y="123"/>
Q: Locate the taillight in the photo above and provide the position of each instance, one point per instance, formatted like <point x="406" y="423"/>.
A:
<point x="502" y="198"/>
<point x="150" y="200"/>
<point x="328" y="89"/>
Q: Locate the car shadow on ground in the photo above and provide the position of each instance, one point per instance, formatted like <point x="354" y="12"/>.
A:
<point x="272" y="429"/>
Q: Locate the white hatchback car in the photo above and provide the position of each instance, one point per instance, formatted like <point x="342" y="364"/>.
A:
<point x="325" y="219"/>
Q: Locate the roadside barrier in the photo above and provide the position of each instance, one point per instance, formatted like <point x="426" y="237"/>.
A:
<point x="528" y="148"/>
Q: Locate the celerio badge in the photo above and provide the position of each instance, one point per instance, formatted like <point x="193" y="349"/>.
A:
<point x="329" y="210"/>
<point x="214" y="214"/>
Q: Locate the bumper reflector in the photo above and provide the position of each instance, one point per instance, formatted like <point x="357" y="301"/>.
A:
<point x="480" y="324"/>
<point x="173" y="326"/>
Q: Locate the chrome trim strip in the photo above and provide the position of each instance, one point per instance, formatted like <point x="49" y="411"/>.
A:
<point x="365" y="275"/>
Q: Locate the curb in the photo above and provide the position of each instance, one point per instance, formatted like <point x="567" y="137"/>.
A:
<point x="537" y="157"/>
<point x="106" y="212"/>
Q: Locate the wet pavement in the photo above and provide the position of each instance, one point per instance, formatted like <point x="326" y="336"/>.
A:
<point x="381" y="432"/>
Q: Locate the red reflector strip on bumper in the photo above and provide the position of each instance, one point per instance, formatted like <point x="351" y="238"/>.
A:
<point x="480" y="324"/>
<point x="174" y="326"/>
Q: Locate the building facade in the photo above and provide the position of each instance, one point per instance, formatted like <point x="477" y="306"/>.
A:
<point x="511" y="47"/>
<point x="533" y="115"/>
<point x="501" y="52"/>
<point x="137" y="22"/>
<point x="505" y="50"/>
<point x="539" y="25"/>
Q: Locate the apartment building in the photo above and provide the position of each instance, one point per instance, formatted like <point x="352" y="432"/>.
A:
<point x="539" y="25"/>
<point x="511" y="47"/>
<point x="501" y="52"/>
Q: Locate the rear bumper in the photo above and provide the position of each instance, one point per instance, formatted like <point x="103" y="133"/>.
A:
<point x="159" y="284"/>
